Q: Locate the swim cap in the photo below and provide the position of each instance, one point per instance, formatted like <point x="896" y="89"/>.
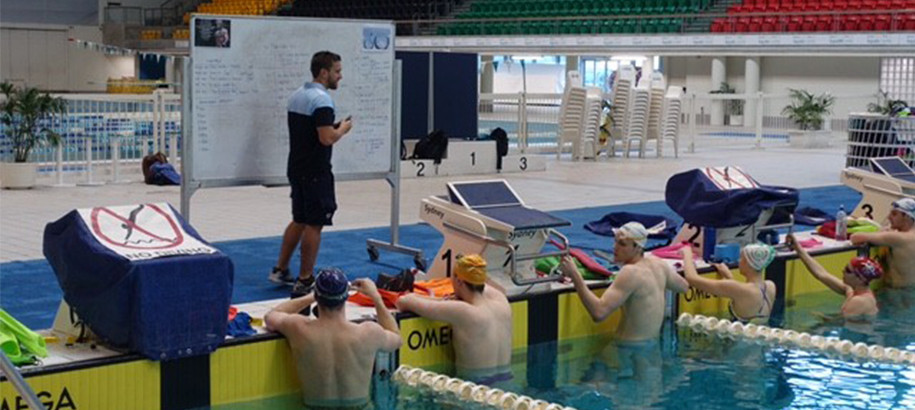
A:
<point x="634" y="231"/>
<point x="471" y="269"/>
<point x="759" y="255"/>
<point x="331" y="287"/>
<point x="906" y="206"/>
<point x="865" y="268"/>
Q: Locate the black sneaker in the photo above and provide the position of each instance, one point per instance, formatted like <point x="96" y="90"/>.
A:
<point x="302" y="287"/>
<point x="281" y="276"/>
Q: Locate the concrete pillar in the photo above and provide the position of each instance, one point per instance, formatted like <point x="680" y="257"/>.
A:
<point x="572" y="63"/>
<point x="648" y="67"/>
<point x="751" y="87"/>
<point x="487" y="74"/>
<point x="719" y="75"/>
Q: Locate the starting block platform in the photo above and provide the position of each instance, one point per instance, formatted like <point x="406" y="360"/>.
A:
<point x="470" y="158"/>
<point x="889" y="179"/>
<point x="490" y="219"/>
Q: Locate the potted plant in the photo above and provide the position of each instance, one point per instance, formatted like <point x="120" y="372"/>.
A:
<point x="24" y="113"/>
<point x="808" y="111"/>
<point x="886" y="105"/>
<point x="733" y="109"/>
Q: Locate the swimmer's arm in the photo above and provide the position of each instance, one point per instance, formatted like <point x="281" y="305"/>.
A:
<point x="613" y="297"/>
<point x="820" y="273"/>
<point x="723" y="287"/>
<point x="675" y="282"/>
<point x="888" y="238"/>
<point x="390" y="339"/>
<point x="443" y="310"/>
<point x="280" y="318"/>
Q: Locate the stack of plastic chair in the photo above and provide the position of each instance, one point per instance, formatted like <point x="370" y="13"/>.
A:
<point x="670" y="120"/>
<point x="637" y="123"/>
<point x="570" y="119"/>
<point x="590" y="138"/>
<point x="656" y="107"/>
<point x="619" y="105"/>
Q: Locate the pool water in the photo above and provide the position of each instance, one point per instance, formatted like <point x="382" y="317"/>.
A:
<point x="690" y="370"/>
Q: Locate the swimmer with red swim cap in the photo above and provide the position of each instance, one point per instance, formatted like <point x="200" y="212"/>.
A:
<point x="860" y="304"/>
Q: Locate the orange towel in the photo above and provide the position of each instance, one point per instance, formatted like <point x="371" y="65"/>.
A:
<point x="438" y="288"/>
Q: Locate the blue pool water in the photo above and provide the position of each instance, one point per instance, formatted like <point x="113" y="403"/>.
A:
<point x="690" y="370"/>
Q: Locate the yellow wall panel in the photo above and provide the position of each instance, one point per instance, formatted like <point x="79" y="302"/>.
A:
<point x="251" y="371"/>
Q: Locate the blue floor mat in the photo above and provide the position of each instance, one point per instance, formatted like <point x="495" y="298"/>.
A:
<point x="30" y="292"/>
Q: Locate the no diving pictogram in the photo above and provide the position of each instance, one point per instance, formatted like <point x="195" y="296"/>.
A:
<point x="145" y="227"/>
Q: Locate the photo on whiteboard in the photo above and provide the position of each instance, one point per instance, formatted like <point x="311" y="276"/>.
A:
<point x="213" y="33"/>
<point x="376" y="38"/>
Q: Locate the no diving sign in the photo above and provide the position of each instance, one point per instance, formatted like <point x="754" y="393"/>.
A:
<point x="143" y="231"/>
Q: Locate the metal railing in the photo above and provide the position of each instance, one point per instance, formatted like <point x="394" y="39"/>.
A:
<point x="23" y="388"/>
<point x="707" y="120"/>
<point x="104" y="137"/>
<point x="875" y="136"/>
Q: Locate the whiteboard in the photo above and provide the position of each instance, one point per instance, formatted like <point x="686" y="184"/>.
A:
<point x="240" y="89"/>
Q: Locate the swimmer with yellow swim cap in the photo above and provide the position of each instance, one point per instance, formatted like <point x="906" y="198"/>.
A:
<point x="899" y="237"/>
<point x="480" y="318"/>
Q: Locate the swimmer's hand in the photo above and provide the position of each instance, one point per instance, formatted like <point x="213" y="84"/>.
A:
<point x="825" y="317"/>
<point x="687" y="252"/>
<point x="567" y="267"/>
<point x="723" y="270"/>
<point x="792" y="242"/>
<point x="367" y="288"/>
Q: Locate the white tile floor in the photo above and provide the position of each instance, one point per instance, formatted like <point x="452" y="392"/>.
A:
<point x="254" y="211"/>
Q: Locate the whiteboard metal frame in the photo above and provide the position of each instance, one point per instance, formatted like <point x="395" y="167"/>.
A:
<point x="190" y="185"/>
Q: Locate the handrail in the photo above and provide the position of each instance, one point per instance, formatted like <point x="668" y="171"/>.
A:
<point x="13" y="375"/>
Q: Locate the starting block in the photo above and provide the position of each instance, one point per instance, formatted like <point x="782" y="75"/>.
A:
<point x="725" y="205"/>
<point x="488" y="218"/>
<point x="890" y="179"/>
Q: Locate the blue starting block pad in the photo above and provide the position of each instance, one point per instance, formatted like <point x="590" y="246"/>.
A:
<point x="893" y="167"/>
<point x="142" y="279"/>
<point x="490" y="219"/>
<point x="497" y="200"/>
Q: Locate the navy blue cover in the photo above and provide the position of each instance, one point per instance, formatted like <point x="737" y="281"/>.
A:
<point x="697" y="199"/>
<point x="165" y="174"/>
<point x="612" y="220"/>
<point x="162" y="308"/>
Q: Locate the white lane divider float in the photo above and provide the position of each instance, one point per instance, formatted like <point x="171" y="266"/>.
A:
<point x="789" y="338"/>
<point x="470" y="392"/>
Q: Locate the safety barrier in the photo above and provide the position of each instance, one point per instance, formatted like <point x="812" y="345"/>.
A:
<point x="105" y="137"/>
<point x="470" y="392"/>
<point x="875" y="136"/>
<point x="789" y="338"/>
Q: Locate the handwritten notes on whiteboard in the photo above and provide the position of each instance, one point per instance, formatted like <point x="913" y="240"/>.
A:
<point x="239" y="97"/>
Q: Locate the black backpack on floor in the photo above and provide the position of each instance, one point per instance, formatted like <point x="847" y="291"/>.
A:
<point x="432" y="146"/>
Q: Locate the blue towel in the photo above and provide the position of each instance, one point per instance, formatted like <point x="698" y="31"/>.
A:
<point x="241" y="326"/>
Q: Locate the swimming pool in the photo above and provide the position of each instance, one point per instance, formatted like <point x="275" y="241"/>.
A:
<point x="692" y="370"/>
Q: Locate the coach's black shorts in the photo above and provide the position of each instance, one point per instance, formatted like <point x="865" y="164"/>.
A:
<point x="313" y="200"/>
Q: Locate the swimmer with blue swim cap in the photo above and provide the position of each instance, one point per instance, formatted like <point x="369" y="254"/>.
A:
<point x="899" y="238"/>
<point x="333" y="355"/>
<point x="860" y="303"/>
<point x="751" y="301"/>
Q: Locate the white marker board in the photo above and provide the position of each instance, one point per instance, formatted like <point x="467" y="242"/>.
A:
<point x="241" y="86"/>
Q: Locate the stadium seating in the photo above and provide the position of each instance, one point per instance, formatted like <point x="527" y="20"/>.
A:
<point x="567" y="9"/>
<point x="818" y="16"/>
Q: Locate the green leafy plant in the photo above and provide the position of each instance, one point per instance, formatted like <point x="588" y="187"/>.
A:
<point x="24" y="112"/>
<point x="886" y="105"/>
<point x="807" y="110"/>
<point x="733" y="107"/>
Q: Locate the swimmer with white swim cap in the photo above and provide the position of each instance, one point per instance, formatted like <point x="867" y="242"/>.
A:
<point x="638" y="287"/>
<point x="334" y="357"/>
<point x="899" y="237"/>
<point x="751" y="301"/>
